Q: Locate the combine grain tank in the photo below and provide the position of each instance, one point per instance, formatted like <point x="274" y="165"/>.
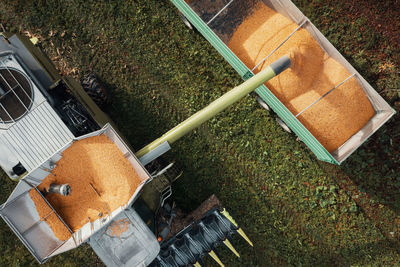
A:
<point x="20" y="213"/>
<point x="220" y="20"/>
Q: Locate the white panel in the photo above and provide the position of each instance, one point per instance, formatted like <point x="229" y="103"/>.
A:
<point x="39" y="174"/>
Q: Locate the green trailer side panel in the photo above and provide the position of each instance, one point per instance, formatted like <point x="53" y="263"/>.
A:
<point x="262" y="91"/>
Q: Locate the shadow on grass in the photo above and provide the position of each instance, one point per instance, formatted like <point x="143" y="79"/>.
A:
<point x="204" y="173"/>
<point x="375" y="166"/>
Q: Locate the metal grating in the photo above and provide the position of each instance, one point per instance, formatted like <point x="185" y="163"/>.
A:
<point x="16" y="94"/>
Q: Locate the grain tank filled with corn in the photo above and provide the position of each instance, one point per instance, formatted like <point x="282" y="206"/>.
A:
<point x="322" y="98"/>
<point x="79" y="181"/>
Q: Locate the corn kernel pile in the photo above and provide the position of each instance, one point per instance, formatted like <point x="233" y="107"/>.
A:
<point x="335" y="118"/>
<point x="101" y="179"/>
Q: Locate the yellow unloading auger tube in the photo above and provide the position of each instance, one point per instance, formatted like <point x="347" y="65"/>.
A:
<point x="157" y="147"/>
<point x="218" y="105"/>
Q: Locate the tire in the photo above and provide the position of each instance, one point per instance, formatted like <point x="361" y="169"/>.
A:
<point x="186" y="21"/>
<point x="262" y="103"/>
<point x="283" y="125"/>
<point x="95" y="89"/>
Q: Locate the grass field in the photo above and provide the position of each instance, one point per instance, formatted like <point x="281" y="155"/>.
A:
<point x="296" y="209"/>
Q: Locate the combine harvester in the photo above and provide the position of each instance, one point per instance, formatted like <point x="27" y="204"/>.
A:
<point x="43" y="116"/>
<point x="322" y="99"/>
<point x="80" y="182"/>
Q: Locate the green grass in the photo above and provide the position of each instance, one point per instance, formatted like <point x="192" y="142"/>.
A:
<point x="296" y="209"/>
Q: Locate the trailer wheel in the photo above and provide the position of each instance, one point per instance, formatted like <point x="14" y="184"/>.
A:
<point x="186" y="21"/>
<point x="95" y="89"/>
<point x="283" y="125"/>
<point x="262" y="103"/>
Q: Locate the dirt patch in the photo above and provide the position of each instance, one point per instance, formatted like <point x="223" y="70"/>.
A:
<point x="385" y="17"/>
<point x="117" y="228"/>
<point x="181" y="220"/>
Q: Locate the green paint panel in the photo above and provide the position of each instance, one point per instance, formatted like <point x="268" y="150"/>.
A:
<point x="294" y="124"/>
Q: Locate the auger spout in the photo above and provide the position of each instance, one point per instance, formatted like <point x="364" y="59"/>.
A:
<point x="219" y="105"/>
